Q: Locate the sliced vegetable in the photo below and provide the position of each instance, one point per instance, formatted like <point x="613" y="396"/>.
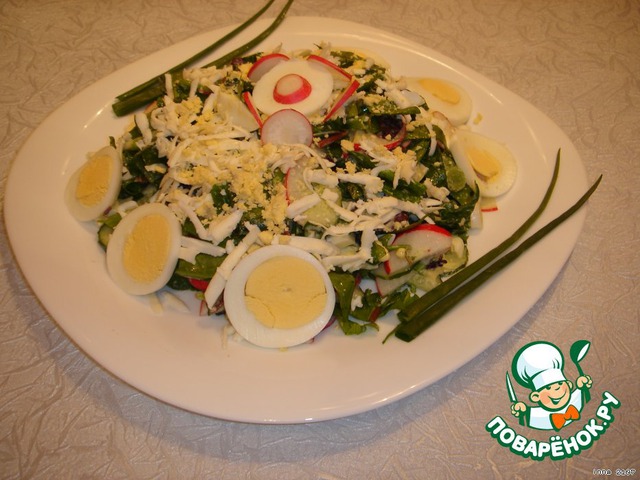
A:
<point x="338" y="72"/>
<point x="416" y="244"/>
<point x="286" y="127"/>
<point x="388" y="143"/>
<point x="291" y="88"/>
<point x="264" y="64"/>
<point x="348" y="92"/>
<point x="488" y="204"/>
<point x="248" y="101"/>
<point x="296" y="189"/>
<point x="387" y="285"/>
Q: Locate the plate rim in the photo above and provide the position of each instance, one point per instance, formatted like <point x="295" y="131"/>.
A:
<point x="574" y="226"/>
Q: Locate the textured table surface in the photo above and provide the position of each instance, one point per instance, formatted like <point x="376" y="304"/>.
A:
<point x="63" y="416"/>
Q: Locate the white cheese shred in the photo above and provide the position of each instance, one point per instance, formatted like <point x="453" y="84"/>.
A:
<point x="219" y="280"/>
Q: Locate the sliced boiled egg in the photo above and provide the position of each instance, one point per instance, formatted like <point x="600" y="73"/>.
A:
<point x="484" y="161"/>
<point x="443" y="96"/>
<point x="279" y="296"/>
<point x="95" y="185"/>
<point x="297" y="84"/>
<point x="143" y="249"/>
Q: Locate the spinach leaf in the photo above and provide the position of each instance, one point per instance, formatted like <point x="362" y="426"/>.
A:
<point x="143" y="181"/>
<point x="204" y="268"/>
<point x="410" y="191"/>
<point x="345" y="285"/>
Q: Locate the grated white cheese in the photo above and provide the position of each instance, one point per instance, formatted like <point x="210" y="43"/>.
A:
<point x="142" y="122"/>
<point x="190" y="247"/>
<point x="315" y="246"/>
<point x="219" y="280"/>
<point x="221" y="229"/>
<point x="301" y="205"/>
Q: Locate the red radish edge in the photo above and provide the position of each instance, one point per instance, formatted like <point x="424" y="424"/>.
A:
<point x="423" y="226"/>
<point x="397" y="140"/>
<point x="248" y="101"/>
<point x="331" y="139"/>
<point x="291" y="88"/>
<point x="393" y="143"/>
<point x="488" y="205"/>
<point x="286" y="187"/>
<point x="264" y="64"/>
<point x="328" y="63"/>
<point x="350" y="90"/>
<point x="386" y="286"/>
<point x="287" y="126"/>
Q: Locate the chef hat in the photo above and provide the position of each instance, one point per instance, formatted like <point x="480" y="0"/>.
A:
<point x="537" y="365"/>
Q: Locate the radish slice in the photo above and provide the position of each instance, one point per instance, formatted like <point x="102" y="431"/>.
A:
<point x="264" y="64"/>
<point x="421" y="242"/>
<point x="248" y="100"/>
<point x="348" y="92"/>
<point x="338" y="72"/>
<point x="396" y="141"/>
<point x="286" y="127"/>
<point x="488" y="204"/>
<point x="385" y="286"/>
<point x="292" y="88"/>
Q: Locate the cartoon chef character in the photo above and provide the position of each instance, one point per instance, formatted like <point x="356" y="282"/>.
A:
<point x="538" y="366"/>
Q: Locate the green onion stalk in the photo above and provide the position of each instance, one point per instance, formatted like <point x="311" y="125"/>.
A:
<point x="155" y="87"/>
<point x="428" y="309"/>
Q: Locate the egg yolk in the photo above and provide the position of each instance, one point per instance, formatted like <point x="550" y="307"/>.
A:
<point x="285" y="292"/>
<point x="442" y="90"/>
<point x="483" y="163"/>
<point x="93" y="181"/>
<point x="146" y="249"/>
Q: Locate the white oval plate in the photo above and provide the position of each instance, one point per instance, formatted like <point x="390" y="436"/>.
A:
<point x="179" y="358"/>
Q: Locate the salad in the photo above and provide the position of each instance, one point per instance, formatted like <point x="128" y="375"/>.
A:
<point x="379" y="178"/>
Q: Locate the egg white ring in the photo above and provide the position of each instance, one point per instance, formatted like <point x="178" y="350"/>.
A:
<point x="118" y="241"/>
<point x="321" y="87"/>
<point x="504" y="180"/>
<point x="84" y="213"/>
<point x="250" y="328"/>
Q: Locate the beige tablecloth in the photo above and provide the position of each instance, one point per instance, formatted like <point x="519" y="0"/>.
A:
<point x="63" y="416"/>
